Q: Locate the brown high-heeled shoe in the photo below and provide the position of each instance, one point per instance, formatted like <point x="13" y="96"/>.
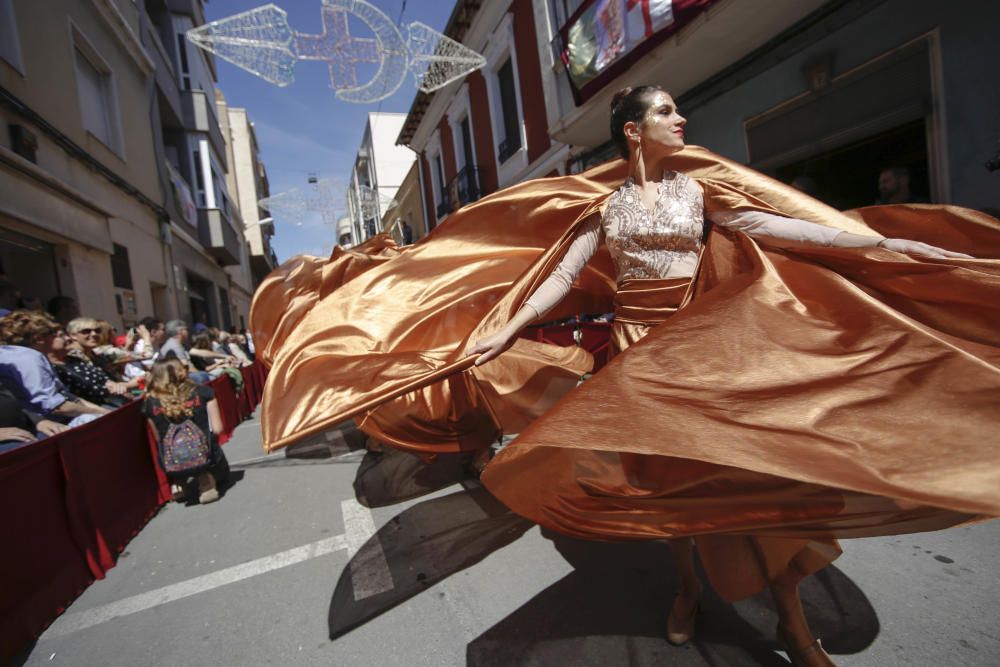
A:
<point x="477" y="464"/>
<point x="680" y="629"/>
<point x="811" y="655"/>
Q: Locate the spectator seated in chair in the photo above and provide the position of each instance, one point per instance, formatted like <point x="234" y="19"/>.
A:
<point x="175" y="345"/>
<point x="86" y="335"/>
<point x="27" y="339"/>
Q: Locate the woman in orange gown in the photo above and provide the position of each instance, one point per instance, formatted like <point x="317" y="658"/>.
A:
<point x="806" y="391"/>
<point x="654" y="228"/>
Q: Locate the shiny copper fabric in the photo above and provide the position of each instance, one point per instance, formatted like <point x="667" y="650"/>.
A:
<point x="803" y="394"/>
<point x="857" y="369"/>
<point x="642" y="304"/>
<point x="289" y="292"/>
<point x="398" y="329"/>
<point x="748" y="526"/>
<point x="951" y="227"/>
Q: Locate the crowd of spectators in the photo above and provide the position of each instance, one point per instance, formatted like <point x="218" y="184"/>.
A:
<point x="59" y="370"/>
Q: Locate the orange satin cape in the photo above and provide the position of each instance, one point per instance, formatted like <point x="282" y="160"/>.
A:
<point x="289" y="292"/>
<point x="831" y="392"/>
<point x="343" y="343"/>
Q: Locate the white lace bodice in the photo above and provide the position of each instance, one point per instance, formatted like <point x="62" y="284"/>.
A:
<point x="660" y="243"/>
<point x="664" y="242"/>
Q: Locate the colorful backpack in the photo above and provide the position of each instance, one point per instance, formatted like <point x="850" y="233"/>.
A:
<point x="185" y="448"/>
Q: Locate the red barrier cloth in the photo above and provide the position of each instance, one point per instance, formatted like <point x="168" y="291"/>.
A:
<point x="245" y="398"/>
<point x="42" y="567"/>
<point x="225" y="395"/>
<point x="69" y="505"/>
<point x="162" y="483"/>
<point x="596" y="338"/>
<point x="111" y="483"/>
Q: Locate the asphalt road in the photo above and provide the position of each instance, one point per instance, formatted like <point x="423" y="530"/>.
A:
<point x="289" y="557"/>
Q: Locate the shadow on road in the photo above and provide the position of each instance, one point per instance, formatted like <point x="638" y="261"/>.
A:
<point x="423" y="545"/>
<point x="612" y="610"/>
<point x="341" y="439"/>
<point x="393" y="476"/>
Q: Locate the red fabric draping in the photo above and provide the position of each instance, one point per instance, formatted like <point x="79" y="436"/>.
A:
<point x="229" y="406"/>
<point x="69" y="505"/>
<point x="596" y="338"/>
<point x="42" y="567"/>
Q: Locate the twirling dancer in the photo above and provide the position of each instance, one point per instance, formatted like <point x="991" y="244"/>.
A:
<point x="654" y="226"/>
<point x="810" y="381"/>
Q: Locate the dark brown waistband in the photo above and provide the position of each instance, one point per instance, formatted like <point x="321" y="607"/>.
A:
<point x="648" y="301"/>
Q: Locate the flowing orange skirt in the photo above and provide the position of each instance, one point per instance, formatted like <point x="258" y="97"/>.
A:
<point x="803" y="395"/>
<point x="605" y="462"/>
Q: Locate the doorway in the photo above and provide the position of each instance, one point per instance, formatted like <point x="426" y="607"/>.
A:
<point x="847" y="177"/>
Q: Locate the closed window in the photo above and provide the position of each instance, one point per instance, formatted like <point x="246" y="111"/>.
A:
<point x="199" y="177"/>
<point x="98" y="110"/>
<point x="466" y="138"/>
<point x="439" y="177"/>
<point x="511" y="141"/>
<point x="10" y="44"/>
<point x="121" y="272"/>
<point x="182" y="54"/>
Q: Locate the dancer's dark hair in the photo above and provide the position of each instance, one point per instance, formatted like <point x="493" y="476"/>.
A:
<point x="629" y="105"/>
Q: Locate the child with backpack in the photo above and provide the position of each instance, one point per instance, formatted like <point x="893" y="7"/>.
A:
<point x="185" y="418"/>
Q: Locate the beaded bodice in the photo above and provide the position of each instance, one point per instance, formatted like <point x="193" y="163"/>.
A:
<point x="660" y="243"/>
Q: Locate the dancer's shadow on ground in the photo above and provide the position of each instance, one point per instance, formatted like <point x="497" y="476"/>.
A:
<point x="343" y="438"/>
<point x="393" y="476"/>
<point x="612" y="610"/>
<point x="423" y="545"/>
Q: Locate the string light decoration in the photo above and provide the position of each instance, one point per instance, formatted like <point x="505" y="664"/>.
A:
<point x="324" y="197"/>
<point x="262" y="42"/>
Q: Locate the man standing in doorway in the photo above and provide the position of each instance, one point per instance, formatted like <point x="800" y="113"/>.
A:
<point x="894" y="186"/>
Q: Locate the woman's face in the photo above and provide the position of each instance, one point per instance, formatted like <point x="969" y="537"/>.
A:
<point x="53" y="344"/>
<point x="662" y="128"/>
<point x="88" y="337"/>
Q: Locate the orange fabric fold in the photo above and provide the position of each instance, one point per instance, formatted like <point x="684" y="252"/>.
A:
<point x="289" y="292"/>
<point x="784" y="398"/>
<point x="402" y="325"/>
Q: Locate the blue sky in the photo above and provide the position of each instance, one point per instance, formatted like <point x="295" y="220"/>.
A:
<point x="303" y="128"/>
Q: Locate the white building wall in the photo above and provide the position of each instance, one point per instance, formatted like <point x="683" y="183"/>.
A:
<point x="391" y="162"/>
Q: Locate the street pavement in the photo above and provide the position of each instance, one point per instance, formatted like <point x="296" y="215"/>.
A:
<point x="408" y="564"/>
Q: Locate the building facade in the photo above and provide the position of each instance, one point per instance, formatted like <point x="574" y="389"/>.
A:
<point x="380" y="168"/>
<point x="408" y="209"/>
<point x="80" y="203"/>
<point x="247" y="183"/>
<point x="113" y="163"/>
<point x="206" y="230"/>
<point x="832" y="91"/>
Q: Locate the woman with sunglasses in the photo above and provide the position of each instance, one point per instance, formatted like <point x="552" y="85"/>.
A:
<point x="87" y="369"/>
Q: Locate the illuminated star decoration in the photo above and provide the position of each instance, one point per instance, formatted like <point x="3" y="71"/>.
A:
<point x="261" y="41"/>
<point x="325" y="197"/>
<point x="373" y="203"/>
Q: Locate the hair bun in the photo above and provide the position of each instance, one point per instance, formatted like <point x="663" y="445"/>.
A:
<point x="619" y="96"/>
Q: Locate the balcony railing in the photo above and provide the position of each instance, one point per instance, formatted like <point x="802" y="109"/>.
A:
<point x="444" y="207"/>
<point x="218" y="237"/>
<point x="200" y="116"/>
<point x="507" y="148"/>
<point x="464" y="188"/>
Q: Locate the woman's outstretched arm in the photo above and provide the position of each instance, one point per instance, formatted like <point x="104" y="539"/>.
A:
<point x="776" y="227"/>
<point x="547" y="296"/>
